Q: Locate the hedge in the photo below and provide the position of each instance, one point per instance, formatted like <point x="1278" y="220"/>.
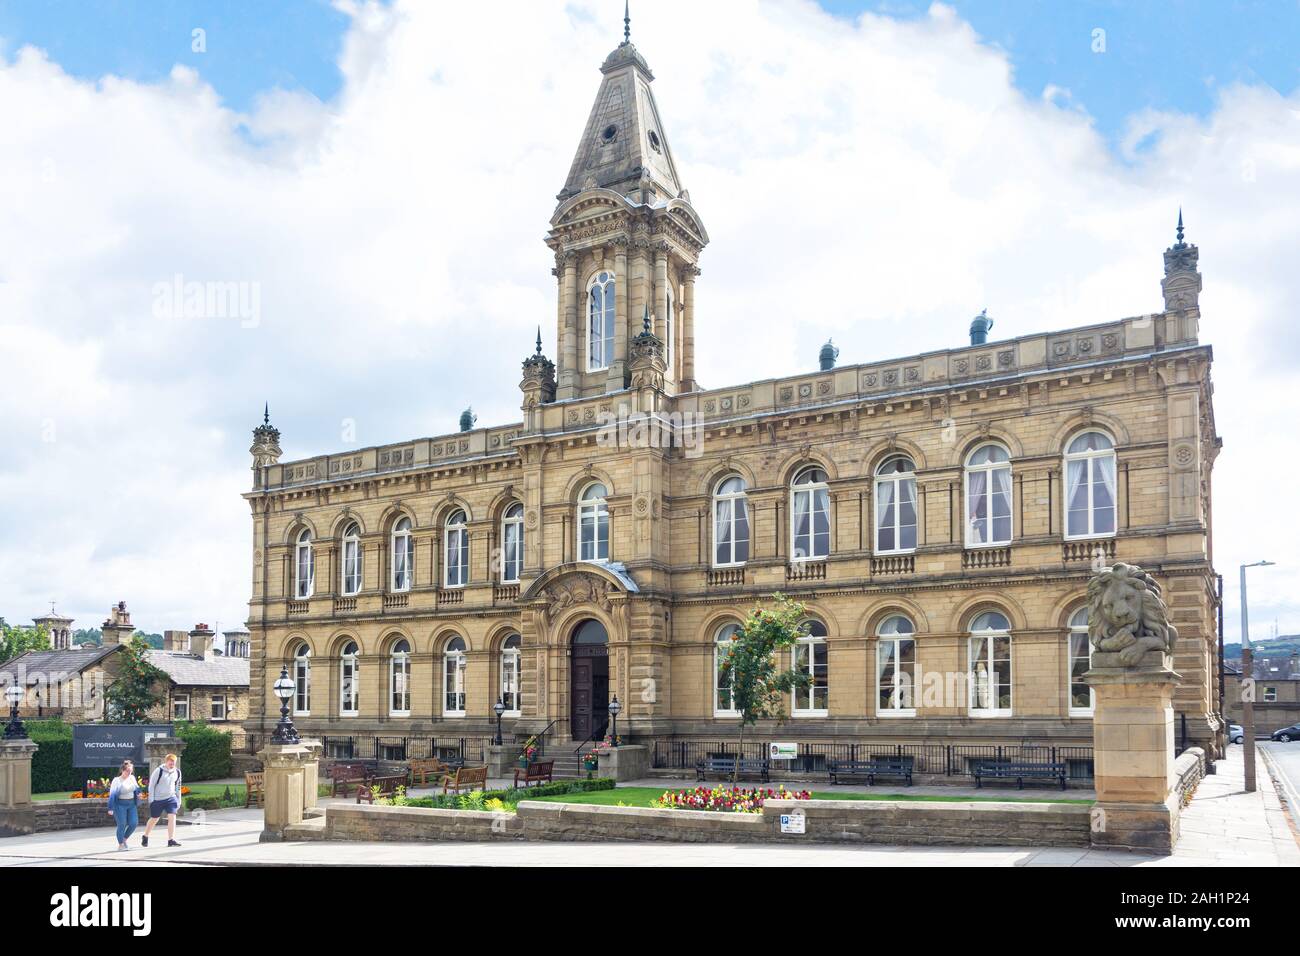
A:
<point x="206" y="757"/>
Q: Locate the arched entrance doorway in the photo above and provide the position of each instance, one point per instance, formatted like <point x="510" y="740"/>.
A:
<point x="589" y="681"/>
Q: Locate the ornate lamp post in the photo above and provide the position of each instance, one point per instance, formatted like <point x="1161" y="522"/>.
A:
<point x="15" y="729"/>
<point x="498" y="708"/>
<point x="1248" y="674"/>
<point x="285" y="732"/>
<point x="615" y="708"/>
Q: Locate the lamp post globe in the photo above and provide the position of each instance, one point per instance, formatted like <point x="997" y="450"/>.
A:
<point x="285" y="732"/>
<point x="615" y="708"/>
<point x="14" y="730"/>
<point x="498" y="708"/>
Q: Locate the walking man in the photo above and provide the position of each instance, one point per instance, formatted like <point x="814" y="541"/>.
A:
<point x="164" y="797"/>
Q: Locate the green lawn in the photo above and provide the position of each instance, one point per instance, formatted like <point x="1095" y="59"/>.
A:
<point x="196" y="790"/>
<point x="646" y="797"/>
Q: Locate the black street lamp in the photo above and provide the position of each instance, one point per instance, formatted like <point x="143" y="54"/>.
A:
<point x="615" y="708"/>
<point x="285" y="732"/>
<point x="498" y="708"/>
<point x="15" y="729"/>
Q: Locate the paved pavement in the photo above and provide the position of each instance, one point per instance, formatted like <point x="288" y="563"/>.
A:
<point x="1285" y="761"/>
<point x="1222" y="826"/>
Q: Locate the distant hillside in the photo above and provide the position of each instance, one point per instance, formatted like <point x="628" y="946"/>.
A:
<point x="93" y="636"/>
<point x="1283" y="646"/>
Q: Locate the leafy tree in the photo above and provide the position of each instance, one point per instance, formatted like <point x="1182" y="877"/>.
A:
<point x="89" y="636"/>
<point x="132" y="695"/>
<point x="759" y="688"/>
<point x="19" y="640"/>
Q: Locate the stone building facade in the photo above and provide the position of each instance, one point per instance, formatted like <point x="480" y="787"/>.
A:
<point x="939" y="514"/>
<point x="1277" y="692"/>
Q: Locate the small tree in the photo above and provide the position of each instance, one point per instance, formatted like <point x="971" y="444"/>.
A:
<point x="19" y="640"/>
<point x="759" y="688"/>
<point x="132" y="695"/>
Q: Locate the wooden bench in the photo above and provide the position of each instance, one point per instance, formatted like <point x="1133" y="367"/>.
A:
<point x="732" y="766"/>
<point x="254" y="789"/>
<point x="466" y="778"/>
<point x="882" y="766"/>
<point x="1020" y="772"/>
<point x="535" y="772"/>
<point x="423" y="769"/>
<point x="344" y="775"/>
<point x="382" y="785"/>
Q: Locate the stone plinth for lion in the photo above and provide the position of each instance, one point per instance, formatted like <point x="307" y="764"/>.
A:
<point x="1133" y="683"/>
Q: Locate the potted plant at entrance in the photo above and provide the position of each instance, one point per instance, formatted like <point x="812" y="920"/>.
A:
<point x="529" y="753"/>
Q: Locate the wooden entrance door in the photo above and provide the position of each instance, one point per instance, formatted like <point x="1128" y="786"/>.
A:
<point x="589" y="682"/>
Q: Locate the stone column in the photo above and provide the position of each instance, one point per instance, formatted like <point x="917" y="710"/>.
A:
<point x="660" y="305"/>
<point x="569" y="372"/>
<point x="17" y="813"/>
<point x="311" y="774"/>
<point x="631" y="762"/>
<point x="1133" y="751"/>
<point x="618" y="368"/>
<point x="687" y="344"/>
<point x="285" y="769"/>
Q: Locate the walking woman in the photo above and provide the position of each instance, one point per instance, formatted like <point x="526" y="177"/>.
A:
<point x="122" y="803"/>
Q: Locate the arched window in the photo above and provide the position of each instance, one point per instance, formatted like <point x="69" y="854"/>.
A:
<point x="349" y="681"/>
<point x="723" y="704"/>
<point x="1080" y="651"/>
<point x="510" y="675"/>
<point x="399" y="679"/>
<point x="512" y="543"/>
<point x="730" y="523"/>
<point x="593" y="524"/>
<point x="896" y="668"/>
<point x="352" y="559"/>
<point x="403" y="547"/>
<point x="810" y="515"/>
<point x="988" y="497"/>
<point x="302" y="681"/>
<point x="896" y="505"/>
<point x="453" y="678"/>
<point x="600" y="322"/>
<point x="456" y="571"/>
<point x="990" y="665"/>
<point x="304" y="567"/>
<point x="1090" y="486"/>
<point x="810" y="658"/>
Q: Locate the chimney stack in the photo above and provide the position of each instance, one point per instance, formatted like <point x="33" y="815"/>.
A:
<point x="118" y="626"/>
<point x="176" y="641"/>
<point x="201" y="641"/>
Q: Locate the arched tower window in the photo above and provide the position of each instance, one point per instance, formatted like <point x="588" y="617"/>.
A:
<point x="512" y="543"/>
<point x="600" y="322"/>
<point x="593" y="523"/>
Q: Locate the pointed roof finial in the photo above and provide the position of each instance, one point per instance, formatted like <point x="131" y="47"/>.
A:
<point x="539" y="340"/>
<point x="627" y="24"/>
<point x="1180" y="225"/>
<point x="266" y="414"/>
<point x="645" y="321"/>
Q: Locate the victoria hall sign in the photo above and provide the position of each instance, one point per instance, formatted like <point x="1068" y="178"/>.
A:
<point x="107" y="745"/>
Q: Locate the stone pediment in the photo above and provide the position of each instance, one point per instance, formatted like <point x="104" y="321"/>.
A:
<point x="579" y="583"/>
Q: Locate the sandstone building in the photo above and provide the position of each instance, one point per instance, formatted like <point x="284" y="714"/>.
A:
<point x="939" y="514"/>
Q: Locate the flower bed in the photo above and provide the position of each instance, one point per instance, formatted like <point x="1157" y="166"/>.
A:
<point x="728" y="799"/>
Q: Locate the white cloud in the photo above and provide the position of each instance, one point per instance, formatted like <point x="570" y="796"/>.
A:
<point x="880" y="181"/>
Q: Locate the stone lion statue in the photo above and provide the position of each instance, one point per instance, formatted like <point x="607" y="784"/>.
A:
<point x="1127" y="615"/>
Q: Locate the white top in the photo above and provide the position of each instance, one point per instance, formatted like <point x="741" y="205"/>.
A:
<point x="124" y="788"/>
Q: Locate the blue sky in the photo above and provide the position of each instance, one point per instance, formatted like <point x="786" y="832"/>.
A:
<point x="1172" y="55"/>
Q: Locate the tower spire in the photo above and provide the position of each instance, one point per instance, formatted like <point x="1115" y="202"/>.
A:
<point x="1180" y="228"/>
<point x="266" y="414"/>
<point x="539" y="340"/>
<point x="627" y="24"/>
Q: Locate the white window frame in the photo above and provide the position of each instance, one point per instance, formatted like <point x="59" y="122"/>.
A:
<point x="593" y="510"/>
<point x="349" y="677"/>
<point x="1270" y="694"/>
<point x="454" y="663"/>
<point x="1088" y="457"/>
<point x="988" y="470"/>
<point x="399" y="665"/>
<point x="178" y="699"/>
<point x="600" y="347"/>
<point x="302" y="681"/>
<point x="812" y="489"/>
<point x="403" y="546"/>
<point x="897" y="638"/>
<point x="350" y="583"/>
<point x="731" y="500"/>
<point x="304" y="560"/>
<point x="456" y="543"/>
<point x="990" y="635"/>
<point x="213" y="701"/>
<point x="723" y="638"/>
<point x="1078" y="628"/>
<point x="511" y="674"/>
<point x="811" y="642"/>
<point x="512" y="526"/>
<point x="898" y="480"/>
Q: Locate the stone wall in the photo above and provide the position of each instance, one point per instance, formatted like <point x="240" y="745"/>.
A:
<point x="77" y="814"/>
<point x="827" y="821"/>
<point x="1189" y="768"/>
